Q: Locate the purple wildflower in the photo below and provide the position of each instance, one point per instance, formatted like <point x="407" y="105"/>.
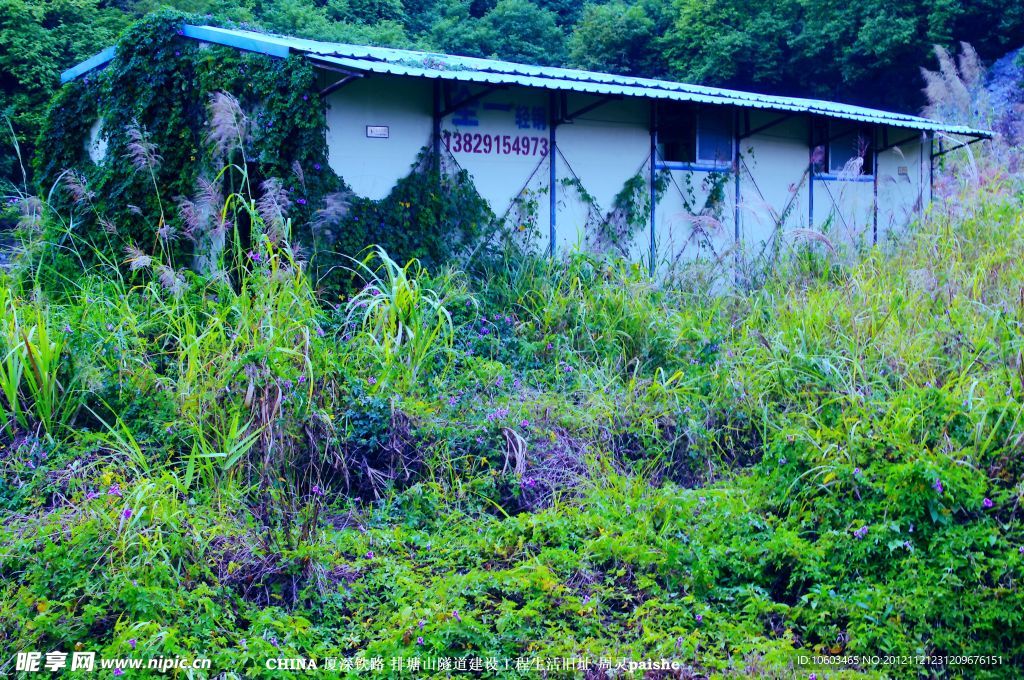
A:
<point x="132" y="643"/>
<point x="371" y="380"/>
<point x="524" y="423"/>
<point x="987" y="503"/>
<point x="500" y="414"/>
<point x="455" y="615"/>
<point x="699" y="617"/>
<point x="369" y="555"/>
<point x="254" y="256"/>
<point x="861" y="533"/>
<point x="127" y="514"/>
<point x="114" y="490"/>
<point x="937" y="486"/>
<point x="500" y="381"/>
<point x="118" y="671"/>
<point x="316" y="490"/>
<point x="316" y="166"/>
<point x="421" y="624"/>
<point x="419" y="640"/>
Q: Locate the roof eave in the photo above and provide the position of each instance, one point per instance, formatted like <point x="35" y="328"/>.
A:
<point x="584" y="82"/>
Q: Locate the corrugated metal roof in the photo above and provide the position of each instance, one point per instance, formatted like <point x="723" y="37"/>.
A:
<point x="385" y="60"/>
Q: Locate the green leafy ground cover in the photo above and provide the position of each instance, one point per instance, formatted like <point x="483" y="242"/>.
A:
<point x="531" y="459"/>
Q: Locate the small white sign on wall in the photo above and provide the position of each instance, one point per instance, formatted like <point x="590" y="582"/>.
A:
<point x="378" y="131"/>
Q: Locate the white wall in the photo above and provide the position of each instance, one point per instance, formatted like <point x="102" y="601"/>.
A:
<point x="774" y="185"/>
<point x="903" y="172"/>
<point x="501" y="140"/>
<point x="373" y="166"/>
<point x="96" y="144"/>
<point x="603" y="148"/>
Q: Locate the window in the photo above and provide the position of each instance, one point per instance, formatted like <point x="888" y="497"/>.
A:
<point x="694" y="136"/>
<point x="849" y="150"/>
<point x="714" y="137"/>
<point x="677" y="130"/>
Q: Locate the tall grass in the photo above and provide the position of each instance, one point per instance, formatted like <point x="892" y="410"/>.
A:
<point x="408" y="323"/>
<point x="38" y="390"/>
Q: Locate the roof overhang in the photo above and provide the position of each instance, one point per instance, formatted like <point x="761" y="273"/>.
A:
<point x="380" y="60"/>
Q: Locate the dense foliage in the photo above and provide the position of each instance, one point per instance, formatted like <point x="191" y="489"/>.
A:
<point x="185" y="125"/>
<point x="865" y="52"/>
<point x="541" y="459"/>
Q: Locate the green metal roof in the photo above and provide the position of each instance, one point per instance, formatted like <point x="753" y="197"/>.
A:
<point x="383" y="60"/>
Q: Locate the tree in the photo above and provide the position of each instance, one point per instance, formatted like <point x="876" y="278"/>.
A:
<point x="519" y="30"/>
<point x="516" y="30"/>
<point x="732" y="42"/>
<point x="615" y="37"/>
<point x="38" y="41"/>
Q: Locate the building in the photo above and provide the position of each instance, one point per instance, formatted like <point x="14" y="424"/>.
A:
<point x="565" y="150"/>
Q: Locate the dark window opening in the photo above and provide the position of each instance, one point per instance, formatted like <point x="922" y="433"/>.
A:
<point x="700" y="136"/>
<point x="677" y="132"/>
<point x="714" y="137"/>
<point x="850" y="150"/>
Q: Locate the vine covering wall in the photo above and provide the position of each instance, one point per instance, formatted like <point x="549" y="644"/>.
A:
<point x="157" y="91"/>
<point x="162" y="85"/>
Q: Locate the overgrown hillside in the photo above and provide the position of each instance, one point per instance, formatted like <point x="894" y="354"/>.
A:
<point x="532" y="459"/>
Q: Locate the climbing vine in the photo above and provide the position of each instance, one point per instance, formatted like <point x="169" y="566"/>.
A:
<point x="631" y="209"/>
<point x="158" y="89"/>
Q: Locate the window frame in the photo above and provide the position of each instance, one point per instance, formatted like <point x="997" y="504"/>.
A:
<point x="694" y="162"/>
<point x="718" y="164"/>
<point x="855" y="130"/>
